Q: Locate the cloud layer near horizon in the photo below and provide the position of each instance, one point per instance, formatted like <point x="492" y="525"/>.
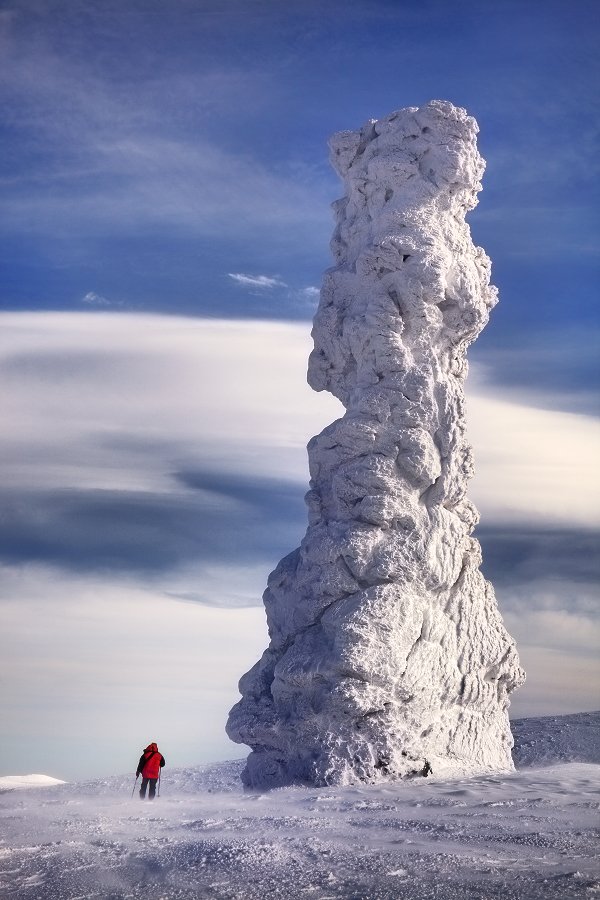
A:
<point x="159" y="463"/>
<point x="113" y="401"/>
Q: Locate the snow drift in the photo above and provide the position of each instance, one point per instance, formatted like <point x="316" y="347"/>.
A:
<point x="388" y="656"/>
<point x="23" y="782"/>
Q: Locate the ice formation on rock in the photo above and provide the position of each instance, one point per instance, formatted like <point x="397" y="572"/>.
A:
<point x="388" y="655"/>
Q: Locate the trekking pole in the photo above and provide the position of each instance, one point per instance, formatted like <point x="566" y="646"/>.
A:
<point x="159" y="782"/>
<point x="134" y="784"/>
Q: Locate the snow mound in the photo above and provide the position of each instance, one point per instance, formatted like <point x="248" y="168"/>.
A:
<point x="19" y="782"/>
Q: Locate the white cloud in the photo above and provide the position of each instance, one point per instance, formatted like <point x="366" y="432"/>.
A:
<point x="533" y="465"/>
<point x="147" y="181"/>
<point x="94" y="299"/>
<point x="115" y="400"/>
<point x="557" y="629"/>
<point x="259" y="281"/>
<point x="121" y="156"/>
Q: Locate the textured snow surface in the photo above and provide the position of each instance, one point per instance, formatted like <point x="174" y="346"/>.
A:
<point x="387" y="652"/>
<point x="526" y="835"/>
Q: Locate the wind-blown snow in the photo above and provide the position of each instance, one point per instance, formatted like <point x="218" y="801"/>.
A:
<point x="528" y="834"/>
<point x="387" y="654"/>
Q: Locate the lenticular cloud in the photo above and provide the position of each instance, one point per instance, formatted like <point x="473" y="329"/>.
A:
<point x="388" y="657"/>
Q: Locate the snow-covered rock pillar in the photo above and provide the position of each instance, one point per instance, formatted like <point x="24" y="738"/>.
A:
<point x="388" y="655"/>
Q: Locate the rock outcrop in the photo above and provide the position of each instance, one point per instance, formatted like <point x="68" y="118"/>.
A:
<point x="388" y="657"/>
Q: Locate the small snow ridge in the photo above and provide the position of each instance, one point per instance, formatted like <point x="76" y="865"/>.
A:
<point x="18" y="782"/>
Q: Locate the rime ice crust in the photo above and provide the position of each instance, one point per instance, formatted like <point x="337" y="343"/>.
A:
<point x="387" y="648"/>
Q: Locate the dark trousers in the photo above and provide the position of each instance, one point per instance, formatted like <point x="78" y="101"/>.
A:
<point x="152" y="791"/>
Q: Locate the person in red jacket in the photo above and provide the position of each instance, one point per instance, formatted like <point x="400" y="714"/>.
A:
<point x="149" y="766"/>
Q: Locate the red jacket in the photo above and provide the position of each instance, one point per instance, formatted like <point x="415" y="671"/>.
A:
<point x="151" y="762"/>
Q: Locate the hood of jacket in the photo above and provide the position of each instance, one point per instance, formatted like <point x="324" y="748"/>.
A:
<point x="151" y="748"/>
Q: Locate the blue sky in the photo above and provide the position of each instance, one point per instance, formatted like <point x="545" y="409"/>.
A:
<point x="149" y="150"/>
<point x="167" y="162"/>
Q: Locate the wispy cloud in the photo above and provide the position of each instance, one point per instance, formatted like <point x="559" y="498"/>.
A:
<point x="257" y="281"/>
<point x="99" y="155"/>
<point x="114" y="416"/>
<point x="533" y="465"/>
<point x="146" y="181"/>
<point x="547" y="369"/>
<point x="95" y="404"/>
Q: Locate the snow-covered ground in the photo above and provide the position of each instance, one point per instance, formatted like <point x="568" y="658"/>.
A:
<point x="532" y="834"/>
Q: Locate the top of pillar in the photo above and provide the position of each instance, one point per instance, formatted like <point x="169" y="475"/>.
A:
<point x="422" y="151"/>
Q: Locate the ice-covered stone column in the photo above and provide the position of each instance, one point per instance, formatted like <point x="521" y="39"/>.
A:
<point x="388" y="655"/>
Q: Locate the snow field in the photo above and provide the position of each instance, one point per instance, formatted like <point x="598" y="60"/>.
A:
<point x="526" y="835"/>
